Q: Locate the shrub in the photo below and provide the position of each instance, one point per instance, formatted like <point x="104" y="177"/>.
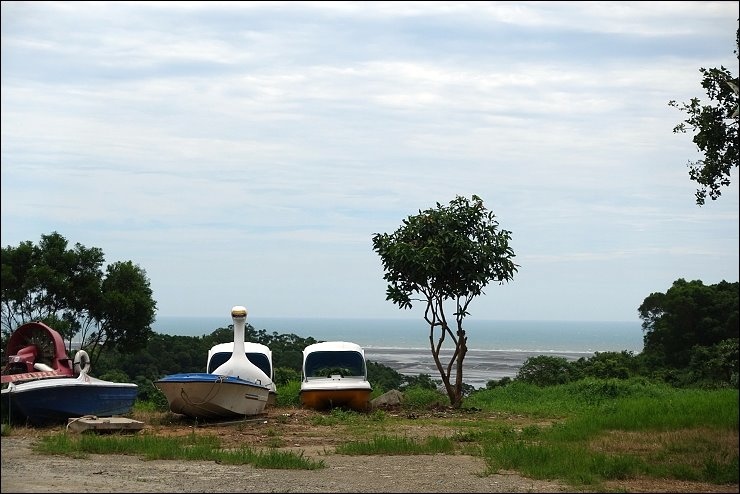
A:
<point x="544" y="370"/>
<point x="288" y="394"/>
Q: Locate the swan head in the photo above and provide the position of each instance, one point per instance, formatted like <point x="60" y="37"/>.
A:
<point x="238" y="312"/>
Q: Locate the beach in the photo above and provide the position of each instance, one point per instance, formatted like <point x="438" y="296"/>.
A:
<point x="479" y="366"/>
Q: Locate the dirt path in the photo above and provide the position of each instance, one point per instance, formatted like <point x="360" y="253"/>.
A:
<point x="23" y="470"/>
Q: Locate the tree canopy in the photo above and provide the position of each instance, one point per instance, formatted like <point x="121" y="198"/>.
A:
<point x="716" y="127"/>
<point x="688" y="317"/>
<point x="443" y="254"/>
<point x="67" y="289"/>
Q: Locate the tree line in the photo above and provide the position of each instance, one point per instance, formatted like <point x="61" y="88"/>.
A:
<point x="690" y="332"/>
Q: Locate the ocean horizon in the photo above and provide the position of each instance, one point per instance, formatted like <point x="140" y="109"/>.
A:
<point x="496" y="349"/>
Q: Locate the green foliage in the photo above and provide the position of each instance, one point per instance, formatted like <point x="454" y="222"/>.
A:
<point x="447" y="252"/>
<point x="423" y="381"/>
<point x="559" y="460"/>
<point x="149" y="393"/>
<point x="422" y="397"/>
<point x="545" y="370"/>
<point x="504" y="381"/>
<point x="284" y="375"/>
<point x="283" y="460"/>
<point x="593" y="391"/>
<point x="717" y="126"/>
<point x="605" y="365"/>
<point x="443" y="254"/>
<point x="288" y="394"/>
<point x="66" y="289"/>
<point x="128" y="307"/>
<point x="633" y="409"/>
<point x="115" y="375"/>
<point x="337" y="415"/>
<point x="715" y="365"/>
<point x="382" y="377"/>
<point x="688" y="315"/>
<point x="585" y="445"/>
<point x="397" y="445"/>
<point x="50" y="283"/>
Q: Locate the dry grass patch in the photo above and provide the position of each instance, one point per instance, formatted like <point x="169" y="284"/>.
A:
<point x="685" y="443"/>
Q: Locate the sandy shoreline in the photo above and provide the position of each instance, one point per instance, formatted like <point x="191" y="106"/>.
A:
<point x="480" y="366"/>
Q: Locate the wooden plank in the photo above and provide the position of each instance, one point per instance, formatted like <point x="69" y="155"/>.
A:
<point x="104" y="424"/>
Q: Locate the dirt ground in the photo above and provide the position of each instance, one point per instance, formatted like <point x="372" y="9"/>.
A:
<point x="286" y="429"/>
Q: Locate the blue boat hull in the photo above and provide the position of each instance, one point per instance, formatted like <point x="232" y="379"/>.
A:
<point x="68" y="398"/>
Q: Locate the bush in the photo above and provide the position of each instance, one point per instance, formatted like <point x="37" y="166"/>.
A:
<point x="606" y="365"/>
<point x="544" y="370"/>
<point x="423" y="397"/>
<point x="421" y="381"/>
<point x="289" y="394"/>
<point x="283" y="375"/>
<point x="493" y="384"/>
<point x="594" y="390"/>
<point x="383" y="377"/>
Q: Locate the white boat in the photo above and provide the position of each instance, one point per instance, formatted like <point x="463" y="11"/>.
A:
<point x="48" y="400"/>
<point x="334" y="374"/>
<point x="234" y="389"/>
<point x="257" y="353"/>
<point x="206" y="395"/>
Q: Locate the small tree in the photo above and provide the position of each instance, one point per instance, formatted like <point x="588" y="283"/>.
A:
<point x="446" y="254"/>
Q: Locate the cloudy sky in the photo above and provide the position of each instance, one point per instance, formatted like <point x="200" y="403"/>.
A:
<point x="245" y="153"/>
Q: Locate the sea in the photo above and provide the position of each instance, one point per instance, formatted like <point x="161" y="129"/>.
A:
<point x="496" y="349"/>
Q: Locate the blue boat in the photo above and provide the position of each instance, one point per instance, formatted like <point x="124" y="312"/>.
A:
<point x="55" y="399"/>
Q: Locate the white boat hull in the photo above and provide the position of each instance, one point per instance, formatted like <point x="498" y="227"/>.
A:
<point x="202" y="395"/>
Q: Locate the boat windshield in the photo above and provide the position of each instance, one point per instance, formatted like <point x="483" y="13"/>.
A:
<point x="258" y="359"/>
<point x="328" y="363"/>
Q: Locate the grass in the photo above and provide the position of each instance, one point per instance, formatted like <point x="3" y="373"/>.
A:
<point x="192" y="447"/>
<point x="586" y="433"/>
<point x="614" y="430"/>
<point x="397" y="445"/>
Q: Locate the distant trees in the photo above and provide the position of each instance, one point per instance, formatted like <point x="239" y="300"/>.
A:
<point x="66" y="289"/>
<point x="692" y="324"/>
<point x="287" y="349"/>
<point x="548" y="370"/>
<point x="716" y="127"/>
<point x="443" y="254"/>
<point x="691" y="339"/>
<point x="545" y="370"/>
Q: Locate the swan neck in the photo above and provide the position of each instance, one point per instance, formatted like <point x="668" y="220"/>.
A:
<point x="239" y="325"/>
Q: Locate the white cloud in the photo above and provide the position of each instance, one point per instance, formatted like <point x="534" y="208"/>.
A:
<point x="280" y="135"/>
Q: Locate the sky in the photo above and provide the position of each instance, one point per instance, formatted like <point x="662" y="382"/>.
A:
<point x="245" y="153"/>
